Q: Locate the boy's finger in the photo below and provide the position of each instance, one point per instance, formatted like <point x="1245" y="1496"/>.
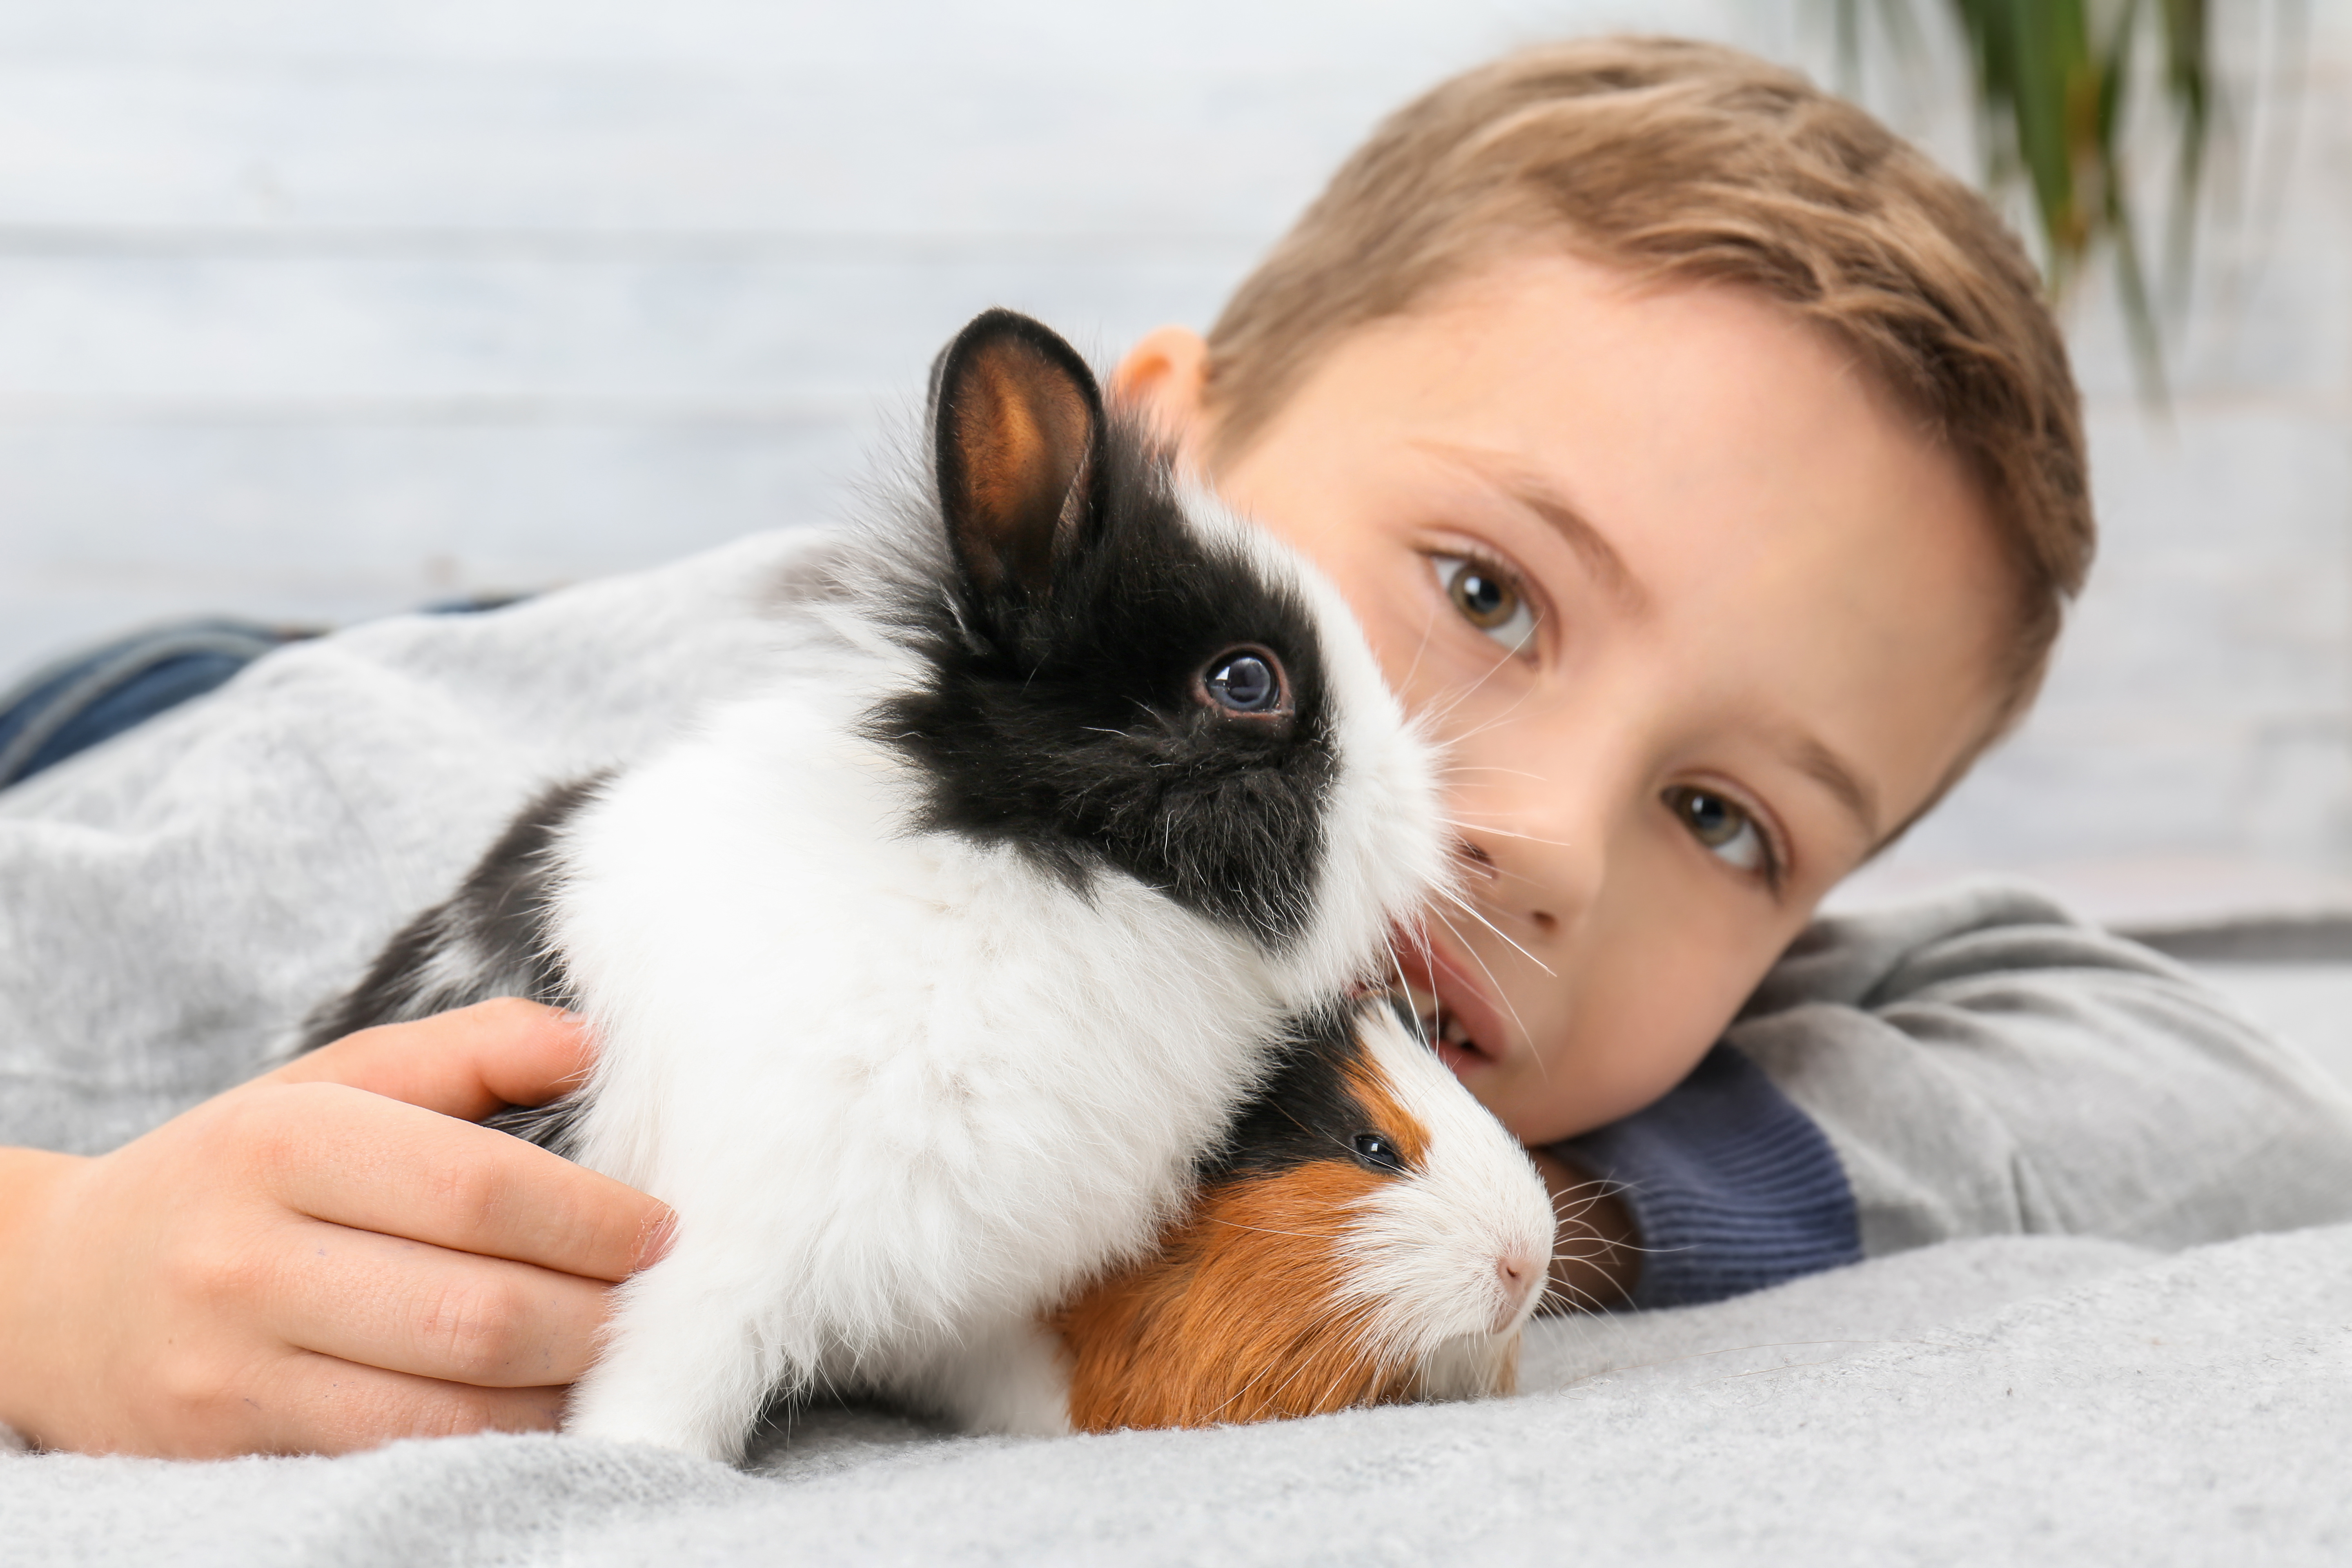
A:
<point x="376" y="1301"/>
<point x="310" y="1404"/>
<point x="357" y="1159"/>
<point x="466" y="1063"/>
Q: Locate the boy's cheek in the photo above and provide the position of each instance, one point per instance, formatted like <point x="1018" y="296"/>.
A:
<point x="1627" y="1046"/>
<point x="1568" y="1095"/>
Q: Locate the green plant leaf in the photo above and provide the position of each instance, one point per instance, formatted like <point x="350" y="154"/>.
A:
<point x="2051" y="84"/>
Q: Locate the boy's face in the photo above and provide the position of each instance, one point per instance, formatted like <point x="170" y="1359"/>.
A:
<point x="1700" y="617"/>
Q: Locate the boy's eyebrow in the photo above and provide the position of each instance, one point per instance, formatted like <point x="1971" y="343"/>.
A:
<point x="1534" y="492"/>
<point x="1811" y="756"/>
<point x="1834" y="775"/>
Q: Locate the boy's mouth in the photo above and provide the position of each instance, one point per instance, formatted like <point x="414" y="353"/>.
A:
<point x="1456" y="1016"/>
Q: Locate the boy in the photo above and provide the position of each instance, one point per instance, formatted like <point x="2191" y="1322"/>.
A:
<point x="1703" y="467"/>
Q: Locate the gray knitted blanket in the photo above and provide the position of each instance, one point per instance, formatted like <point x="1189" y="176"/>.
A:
<point x="2013" y="1400"/>
<point x="2041" y="1400"/>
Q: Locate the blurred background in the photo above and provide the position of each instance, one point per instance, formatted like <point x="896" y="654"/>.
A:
<point x="322" y="311"/>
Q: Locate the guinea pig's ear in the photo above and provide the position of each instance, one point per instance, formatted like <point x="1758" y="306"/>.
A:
<point x="1015" y="414"/>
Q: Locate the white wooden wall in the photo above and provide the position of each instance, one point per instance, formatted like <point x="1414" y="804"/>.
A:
<point x="2193" y="750"/>
<point x="321" y="310"/>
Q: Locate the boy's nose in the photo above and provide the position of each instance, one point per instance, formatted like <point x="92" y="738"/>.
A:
<point x="1542" y="802"/>
<point x="1488" y="884"/>
<point x="1546" y="869"/>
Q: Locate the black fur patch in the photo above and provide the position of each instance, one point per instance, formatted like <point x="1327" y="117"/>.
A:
<point x="1063" y="715"/>
<point x="1070" y="724"/>
<point x="488" y="939"/>
<point x="1303" y="1111"/>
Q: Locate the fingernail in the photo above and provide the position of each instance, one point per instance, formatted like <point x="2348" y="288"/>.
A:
<point x="654" y="1242"/>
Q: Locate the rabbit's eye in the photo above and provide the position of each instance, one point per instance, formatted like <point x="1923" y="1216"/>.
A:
<point x="1375" y="1150"/>
<point x="1244" y="680"/>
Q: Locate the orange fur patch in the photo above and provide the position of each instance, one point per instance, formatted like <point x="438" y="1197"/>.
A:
<point x="1236" y="1318"/>
<point x="1388" y="1114"/>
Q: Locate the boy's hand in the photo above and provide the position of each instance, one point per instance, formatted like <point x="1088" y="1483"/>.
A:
<point x="328" y="1257"/>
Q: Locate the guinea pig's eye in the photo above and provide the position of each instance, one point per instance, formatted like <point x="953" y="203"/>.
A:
<point x="1375" y="1150"/>
<point x="1246" y="681"/>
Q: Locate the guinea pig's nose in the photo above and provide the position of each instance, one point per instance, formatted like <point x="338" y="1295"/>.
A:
<point x="1521" y="1274"/>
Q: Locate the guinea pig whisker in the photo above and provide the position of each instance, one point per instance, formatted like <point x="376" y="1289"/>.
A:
<point x="1519" y="1023"/>
<point x="1419" y="942"/>
<point x="1502" y="661"/>
<point x="1160" y="721"/>
<point x="1435" y="714"/>
<point x="1489" y="768"/>
<point x="1268" y="1230"/>
<point x="1259" y="1376"/>
<point x="1294" y="1119"/>
<point x="1324" y="1402"/>
<point x="1466" y="819"/>
<point x="1600" y="1248"/>
<point x="1466" y="692"/>
<point x="1583" y="1199"/>
<point x="1455" y="933"/>
<point x="1331" y="1138"/>
<point x="1300" y="1371"/>
<point x="1570" y="1298"/>
<point x="1498" y="874"/>
<point x="1507" y="716"/>
<point x="1427" y="1037"/>
<point x="1467" y="908"/>
<point x="1583" y="1203"/>
<point x="1518" y="877"/>
<point x="1444" y="707"/>
<point x="1428" y="625"/>
<point x="1285" y="1386"/>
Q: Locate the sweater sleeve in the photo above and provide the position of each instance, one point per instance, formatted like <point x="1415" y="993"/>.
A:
<point x="1983" y="1063"/>
<point x="175" y="899"/>
<point x="1731" y="1187"/>
<point x="1977" y="1064"/>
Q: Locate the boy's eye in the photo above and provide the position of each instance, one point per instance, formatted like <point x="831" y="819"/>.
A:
<point x="1488" y="600"/>
<point x="1730" y="833"/>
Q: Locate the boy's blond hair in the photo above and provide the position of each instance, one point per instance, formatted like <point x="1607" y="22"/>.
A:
<point x="1696" y="162"/>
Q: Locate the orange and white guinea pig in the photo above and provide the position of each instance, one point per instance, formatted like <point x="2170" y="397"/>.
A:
<point x="1366" y="1234"/>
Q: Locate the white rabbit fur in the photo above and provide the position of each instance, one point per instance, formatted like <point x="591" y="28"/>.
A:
<point x="909" y="1074"/>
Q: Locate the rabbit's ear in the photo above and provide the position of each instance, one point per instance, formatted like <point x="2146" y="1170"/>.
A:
<point x="1016" y="414"/>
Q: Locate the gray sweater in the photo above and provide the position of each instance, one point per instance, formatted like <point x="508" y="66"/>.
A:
<point x="174" y="900"/>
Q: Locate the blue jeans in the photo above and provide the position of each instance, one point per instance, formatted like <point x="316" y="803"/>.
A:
<point x="91" y="696"/>
<point x="72" y="704"/>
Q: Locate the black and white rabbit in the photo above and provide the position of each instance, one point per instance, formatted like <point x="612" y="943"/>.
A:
<point x="922" y="976"/>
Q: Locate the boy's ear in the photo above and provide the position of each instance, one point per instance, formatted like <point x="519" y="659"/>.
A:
<point x="1165" y="378"/>
<point x="1015" y="414"/>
